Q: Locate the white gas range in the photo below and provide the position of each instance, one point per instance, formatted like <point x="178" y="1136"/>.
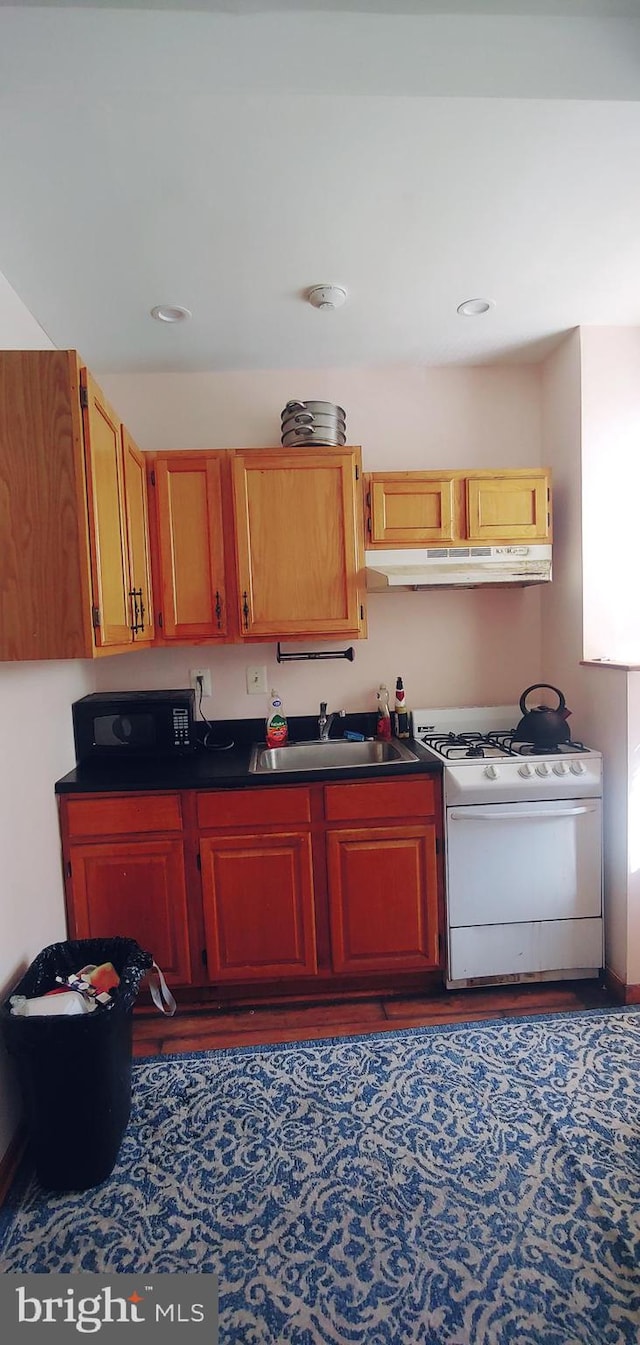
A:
<point x="523" y="849"/>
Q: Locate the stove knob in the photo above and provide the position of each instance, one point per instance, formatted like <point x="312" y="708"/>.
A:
<point x="578" y="767"/>
<point x="542" y="769"/>
<point x="560" y="768"/>
<point x="491" y="772"/>
<point x="525" y="770"/>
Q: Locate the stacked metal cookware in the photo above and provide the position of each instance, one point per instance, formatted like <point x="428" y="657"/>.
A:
<point x="313" y="423"/>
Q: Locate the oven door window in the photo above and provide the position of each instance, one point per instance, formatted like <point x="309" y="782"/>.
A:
<point x="138" y="732"/>
<point x="512" y="862"/>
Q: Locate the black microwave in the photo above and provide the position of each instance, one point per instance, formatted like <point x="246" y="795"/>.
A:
<point x="119" y="724"/>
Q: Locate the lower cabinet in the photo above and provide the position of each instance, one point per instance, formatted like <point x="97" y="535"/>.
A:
<point x="136" y="888"/>
<point x="259" y="914"/>
<point x="383" y="903"/>
<point x="383" y="875"/>
<point x="287" y="885"/>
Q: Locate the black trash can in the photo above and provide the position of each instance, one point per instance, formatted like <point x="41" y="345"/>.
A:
<point x="75" y="1072"/>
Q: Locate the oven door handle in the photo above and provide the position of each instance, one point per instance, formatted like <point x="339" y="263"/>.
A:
<point x="460" y="814"/>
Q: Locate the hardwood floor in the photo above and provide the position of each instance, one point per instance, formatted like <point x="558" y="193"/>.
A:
<point x="210" y="1029"/>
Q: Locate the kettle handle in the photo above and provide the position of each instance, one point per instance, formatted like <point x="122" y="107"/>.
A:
<point x="543" y="686"/>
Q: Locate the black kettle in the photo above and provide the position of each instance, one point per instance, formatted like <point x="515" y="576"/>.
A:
<point x="541" y="725"/>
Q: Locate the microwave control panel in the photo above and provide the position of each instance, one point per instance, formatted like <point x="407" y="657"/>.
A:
<point x="181" y="728"/>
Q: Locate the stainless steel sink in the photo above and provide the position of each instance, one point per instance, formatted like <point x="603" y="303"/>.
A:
<point x="331" y="755"/>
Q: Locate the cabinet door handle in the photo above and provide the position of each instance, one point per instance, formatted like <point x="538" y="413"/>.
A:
<point x="137" y="624"/>
<point x="245" y="609"/>
<point x="219" y="609"/>
<point x="133" y="594"/>
<point x="459" y="815"/>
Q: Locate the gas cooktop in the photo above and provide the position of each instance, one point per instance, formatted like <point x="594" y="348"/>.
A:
<point x="471" y="746"/>
<point x="461" y="735"/>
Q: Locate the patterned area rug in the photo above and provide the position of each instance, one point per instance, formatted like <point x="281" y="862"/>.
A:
<point x="467" y="1185"/>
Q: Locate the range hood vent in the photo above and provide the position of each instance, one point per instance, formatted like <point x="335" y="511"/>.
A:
<point x="458" y="567"/>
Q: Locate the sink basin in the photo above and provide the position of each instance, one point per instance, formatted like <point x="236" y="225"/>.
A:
<point x="332" y="755"/>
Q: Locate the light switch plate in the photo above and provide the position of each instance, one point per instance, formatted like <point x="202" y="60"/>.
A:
<point x="257" y="680"/>
<point x="205" y="674"/>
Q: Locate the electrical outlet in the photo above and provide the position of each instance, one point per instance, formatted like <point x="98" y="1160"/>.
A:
<point x="257" y="680"/>
<point x="205" y="674"/>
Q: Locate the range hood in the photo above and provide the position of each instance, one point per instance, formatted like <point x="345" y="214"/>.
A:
<point x="458" y="567"/>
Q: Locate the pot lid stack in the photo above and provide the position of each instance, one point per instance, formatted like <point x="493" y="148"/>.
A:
<point x="304" y="423"/>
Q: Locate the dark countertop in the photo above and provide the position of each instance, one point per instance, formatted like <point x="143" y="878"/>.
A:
<point x="220" y="768"/>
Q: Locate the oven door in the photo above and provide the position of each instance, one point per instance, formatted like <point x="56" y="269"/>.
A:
<point x="524" y="887"/>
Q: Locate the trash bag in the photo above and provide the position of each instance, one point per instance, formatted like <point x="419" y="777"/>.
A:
<point x="75" y="1072"/>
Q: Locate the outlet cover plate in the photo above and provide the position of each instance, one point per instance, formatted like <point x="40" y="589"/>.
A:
<point x="205" y="674"/>
<point x="257" y="680"/>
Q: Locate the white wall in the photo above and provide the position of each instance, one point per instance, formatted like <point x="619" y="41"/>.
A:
<point x="633" y="815"/>
<point x="589" y="402"/>
<point x="611" y="489"/>
<point x="37" y="748"/>
<point x="562" y="601"/>
<point x="467" y="647"/>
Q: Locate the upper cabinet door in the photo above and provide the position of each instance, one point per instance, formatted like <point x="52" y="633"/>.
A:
<point x="299" y="542"/>
<point x="411" y="509"/>
<point x="189" y="496"/>
<point x="508" y="507"/>
<point x="45" y="584"/>
<point x="107" y="521"/>
<point x="140" y="594"/>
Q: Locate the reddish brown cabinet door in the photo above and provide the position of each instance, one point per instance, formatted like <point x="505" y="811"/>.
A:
<point x="136" y="889"/>
<point x="258" y="906"/>
<point x="383" y="898"/>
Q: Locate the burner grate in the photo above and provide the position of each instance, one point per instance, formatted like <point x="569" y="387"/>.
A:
<point x="516" y="748"/>
<point x="462" y="746"/>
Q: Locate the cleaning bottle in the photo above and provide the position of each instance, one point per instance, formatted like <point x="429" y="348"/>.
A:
<point x="383" y="726"/>
<point x="401" y="716"/>
<point x="277" y="730"/>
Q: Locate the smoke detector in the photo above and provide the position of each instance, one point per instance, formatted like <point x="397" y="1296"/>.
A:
<point x="327" y="296"/>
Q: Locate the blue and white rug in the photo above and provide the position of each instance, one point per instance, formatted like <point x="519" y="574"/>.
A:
<point x="465" y="1185"/>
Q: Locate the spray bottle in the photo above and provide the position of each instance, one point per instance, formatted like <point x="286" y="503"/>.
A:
<point x="277" y="730"/>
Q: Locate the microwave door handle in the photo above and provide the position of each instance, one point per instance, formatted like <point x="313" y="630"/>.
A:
<point x="458" y="814"/>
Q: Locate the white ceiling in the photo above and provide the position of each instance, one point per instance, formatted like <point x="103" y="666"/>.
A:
<point x="226" y="161"/>
<point x="563" y="8"/>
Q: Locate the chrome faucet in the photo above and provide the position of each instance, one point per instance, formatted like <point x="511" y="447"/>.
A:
<point x="325" y="721"/>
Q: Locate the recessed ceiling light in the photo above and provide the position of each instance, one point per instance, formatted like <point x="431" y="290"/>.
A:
<point x="474" y="308"/>
<point x="170" y="313"/>
<point x="327" y="296"/>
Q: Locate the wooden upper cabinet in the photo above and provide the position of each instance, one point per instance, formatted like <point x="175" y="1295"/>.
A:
<point x="64" y="547"/>
<point x="411" y="507"/>
<point x="508" y="506"/>
<point x="45" y="593"/>
<point x="190" y="499"/>
<point x="137" y="513"/>
<point x="422" y="509"/>
<point x="107" y="518"/>
<point x="299" y="542"/>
